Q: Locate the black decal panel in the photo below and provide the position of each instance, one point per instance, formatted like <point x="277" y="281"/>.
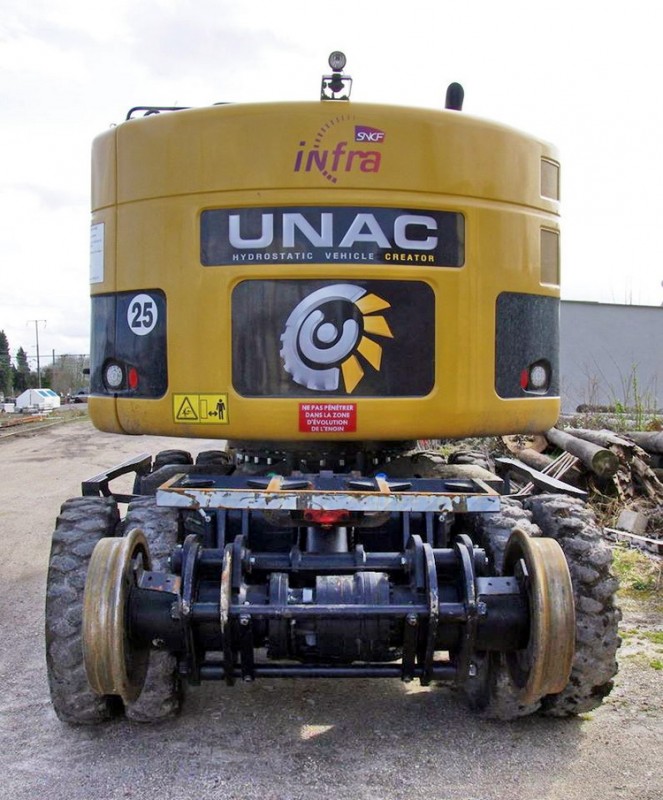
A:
<point x="332" y="235"/>
<point x="129" y="332"/>
<point x="298" y="338"/>
<point x="527" y="334"/>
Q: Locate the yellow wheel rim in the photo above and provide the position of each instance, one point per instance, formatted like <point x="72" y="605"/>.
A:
<point x="544" y="666"/>
<point x="112" y="665"/>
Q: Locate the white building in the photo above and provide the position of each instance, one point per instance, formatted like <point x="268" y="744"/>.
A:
<point x="38" y="400"/>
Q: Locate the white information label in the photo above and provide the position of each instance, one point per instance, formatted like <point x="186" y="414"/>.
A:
<point x="142" y="314"/>
<point x="97" y="253"/>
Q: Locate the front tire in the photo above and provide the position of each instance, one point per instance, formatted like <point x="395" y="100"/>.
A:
<point x="166" y="458"/>
<point x="213" y="458"/>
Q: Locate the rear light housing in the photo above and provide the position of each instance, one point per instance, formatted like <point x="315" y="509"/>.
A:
<point x="536" y="378"/>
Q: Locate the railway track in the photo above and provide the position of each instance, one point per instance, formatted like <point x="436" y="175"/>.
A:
<point x="11" y="425"/>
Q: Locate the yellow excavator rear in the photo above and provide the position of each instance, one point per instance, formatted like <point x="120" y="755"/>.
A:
<point x="321" y="284"/>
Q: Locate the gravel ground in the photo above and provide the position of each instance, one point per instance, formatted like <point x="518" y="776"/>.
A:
<point x="284" y="740"/>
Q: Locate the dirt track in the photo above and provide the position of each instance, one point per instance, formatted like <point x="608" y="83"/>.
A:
<point x="278" y="740"/>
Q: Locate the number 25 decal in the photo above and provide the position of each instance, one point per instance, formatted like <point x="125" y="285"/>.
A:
<point x="142" y="314"/>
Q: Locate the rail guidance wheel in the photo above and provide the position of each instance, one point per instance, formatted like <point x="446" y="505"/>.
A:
<point x="112" y="664"/>
<point x="544" y="666"/>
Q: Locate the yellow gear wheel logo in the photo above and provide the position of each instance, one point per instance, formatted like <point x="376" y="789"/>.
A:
<point x="329" y="335"/>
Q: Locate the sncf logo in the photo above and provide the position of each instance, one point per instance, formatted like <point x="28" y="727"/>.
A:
<point x="332" y="153"/>
<point x="365" y="134"/>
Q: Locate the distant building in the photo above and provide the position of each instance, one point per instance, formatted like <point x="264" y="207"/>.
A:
<point x="611" y="355"/>
<point x="37" y="400"/>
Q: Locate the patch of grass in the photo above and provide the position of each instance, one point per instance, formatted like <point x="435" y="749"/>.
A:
<point x="654" y="636"/>
<point x="635" y="637"/>
<point x="639" y="576"/>
<point x="642" y="660"/>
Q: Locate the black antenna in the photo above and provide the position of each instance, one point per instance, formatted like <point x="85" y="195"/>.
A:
<point x="455" y="97"/>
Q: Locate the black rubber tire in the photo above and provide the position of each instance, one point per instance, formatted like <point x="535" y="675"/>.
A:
<point x="573" y="525"/>
<point x="491" y="691"/>
<point x="212" y="458"/>
<point x="166" y="457"/>
<point x="161" y="697"/>
<point x="492" y="530"/>
<point x="472" y="457"/>
<point x="82" y="522"/>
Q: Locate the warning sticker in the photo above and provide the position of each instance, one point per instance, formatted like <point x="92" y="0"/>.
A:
<point x="204" y="409"/>
<point x="327" y="417"/>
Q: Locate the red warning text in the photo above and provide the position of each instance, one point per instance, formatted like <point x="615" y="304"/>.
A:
<point x="327" y="417"/>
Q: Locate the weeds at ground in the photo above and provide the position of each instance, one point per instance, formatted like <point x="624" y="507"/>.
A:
<point x="640" y="577"/>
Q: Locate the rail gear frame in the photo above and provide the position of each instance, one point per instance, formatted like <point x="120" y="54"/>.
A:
<point x="323" y="283"/>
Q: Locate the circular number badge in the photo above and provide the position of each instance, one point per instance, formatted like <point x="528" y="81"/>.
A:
<point x="142" y="314"/>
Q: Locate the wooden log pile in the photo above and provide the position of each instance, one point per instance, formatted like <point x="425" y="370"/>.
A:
<point x="614" y="469"/>
<point x="620" y="463"/>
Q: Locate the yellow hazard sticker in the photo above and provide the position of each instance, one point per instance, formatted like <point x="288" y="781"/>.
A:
<point x="201" y="409"/>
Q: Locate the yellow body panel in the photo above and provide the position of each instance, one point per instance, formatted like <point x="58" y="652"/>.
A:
<point x="154" y="177"/>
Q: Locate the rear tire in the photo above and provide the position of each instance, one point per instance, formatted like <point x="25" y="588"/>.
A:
<point x="82" y="522"/>
<point x="161" y="697"/>
<point x="573" y="526"/>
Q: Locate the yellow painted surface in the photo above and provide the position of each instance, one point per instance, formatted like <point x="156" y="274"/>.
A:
<point x="153" y="177"/>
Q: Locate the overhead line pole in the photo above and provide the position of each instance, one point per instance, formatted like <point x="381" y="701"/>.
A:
<point x="36" y="322"/>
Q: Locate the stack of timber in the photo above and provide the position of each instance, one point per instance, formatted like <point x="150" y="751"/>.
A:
<point x="616" y="471"/>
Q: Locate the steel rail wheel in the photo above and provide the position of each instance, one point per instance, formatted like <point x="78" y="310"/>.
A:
<point x="112" y="665"/>
<point x="544" y="666"/>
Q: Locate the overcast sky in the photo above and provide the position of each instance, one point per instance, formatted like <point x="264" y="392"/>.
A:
<point x="585" y="76"/>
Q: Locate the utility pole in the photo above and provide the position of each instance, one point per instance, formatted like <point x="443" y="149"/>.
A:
<point x="36" y="322"/>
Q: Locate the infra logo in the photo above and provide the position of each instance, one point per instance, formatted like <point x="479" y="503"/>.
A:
<point x="331" y="152"/>
<point x="329" y="335"/>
